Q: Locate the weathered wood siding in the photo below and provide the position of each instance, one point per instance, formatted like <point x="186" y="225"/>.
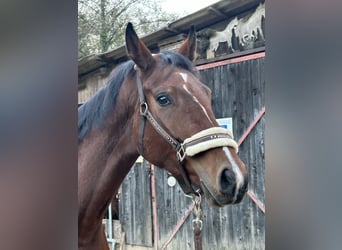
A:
<point x="238" y="92"/>
<point x="135" y="206"/>
<point x="92" y="83"/>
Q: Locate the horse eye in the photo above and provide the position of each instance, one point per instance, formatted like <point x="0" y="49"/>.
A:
<point x="163" y="100"/>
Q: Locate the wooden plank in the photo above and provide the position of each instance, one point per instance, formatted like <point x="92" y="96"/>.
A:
<point x="135" y="206"/>
<point x="234" y="59"/>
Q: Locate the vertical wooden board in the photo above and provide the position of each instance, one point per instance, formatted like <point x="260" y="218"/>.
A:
<point x="171" y="206"/>
<point x="135" y="206"/>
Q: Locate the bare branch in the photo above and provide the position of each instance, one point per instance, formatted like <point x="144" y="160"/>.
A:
<point x="102" y="22"/>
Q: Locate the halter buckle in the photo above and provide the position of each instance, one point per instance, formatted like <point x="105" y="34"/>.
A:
<point x="180" y="153"/>
<point x="143" y="108"/>
<point x="197" y="224"/>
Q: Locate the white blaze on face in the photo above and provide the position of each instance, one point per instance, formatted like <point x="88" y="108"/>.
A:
<point x="236" y="170"/>
<point x="185" y="78"/>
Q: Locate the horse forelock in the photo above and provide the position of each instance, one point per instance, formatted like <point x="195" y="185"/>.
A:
<point x="177" y="60"/>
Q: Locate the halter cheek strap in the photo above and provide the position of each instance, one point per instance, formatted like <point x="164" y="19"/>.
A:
<point x="202" y="141"/>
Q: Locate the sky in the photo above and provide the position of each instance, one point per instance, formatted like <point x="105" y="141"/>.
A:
<point x="186" y="6"/>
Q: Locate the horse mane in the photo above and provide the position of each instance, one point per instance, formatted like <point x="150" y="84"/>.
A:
<point x="94" y="111"/>
<point x="177" y="60"/>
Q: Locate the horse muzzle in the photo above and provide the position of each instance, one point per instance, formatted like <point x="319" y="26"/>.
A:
<point x="229" y="190"/>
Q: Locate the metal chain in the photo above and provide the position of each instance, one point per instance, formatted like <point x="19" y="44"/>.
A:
<point x="197" y="223"/>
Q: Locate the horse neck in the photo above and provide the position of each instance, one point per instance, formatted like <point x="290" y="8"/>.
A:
<point x="105" y="156"/>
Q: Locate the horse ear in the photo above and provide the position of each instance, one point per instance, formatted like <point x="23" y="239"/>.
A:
<point x="188" y="48"/>
<point x="137" y="50"/>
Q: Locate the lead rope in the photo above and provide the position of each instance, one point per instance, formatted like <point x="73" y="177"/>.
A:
<point x="197" y="223"/>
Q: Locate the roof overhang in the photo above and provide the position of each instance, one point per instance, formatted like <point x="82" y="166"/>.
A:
<point x="203" y="18"/>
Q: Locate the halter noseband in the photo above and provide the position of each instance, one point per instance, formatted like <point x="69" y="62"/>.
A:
<point x="202" y="141"/>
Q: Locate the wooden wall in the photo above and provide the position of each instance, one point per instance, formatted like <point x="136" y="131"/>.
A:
<point x="92" y="84"/>
<point x="136" y="207"/>
<point x="238" y="92"/>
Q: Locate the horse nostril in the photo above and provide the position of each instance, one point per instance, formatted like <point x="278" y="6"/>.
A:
<point x="227" y="182"/>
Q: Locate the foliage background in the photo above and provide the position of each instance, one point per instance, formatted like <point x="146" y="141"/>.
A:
<point x="101" y="23"/>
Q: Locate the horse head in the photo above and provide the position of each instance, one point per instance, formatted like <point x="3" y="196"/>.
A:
<point x="175" y="127"/>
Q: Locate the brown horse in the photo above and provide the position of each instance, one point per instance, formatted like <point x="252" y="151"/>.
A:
<point x="155" y="106"/>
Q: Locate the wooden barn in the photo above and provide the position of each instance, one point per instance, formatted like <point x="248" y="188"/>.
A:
<point x="153" y="211"/>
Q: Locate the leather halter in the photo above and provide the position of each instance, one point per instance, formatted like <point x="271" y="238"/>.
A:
<point x="199" y="142"/>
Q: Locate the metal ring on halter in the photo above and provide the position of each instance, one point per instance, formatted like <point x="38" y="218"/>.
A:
<point x="180" y="153"/>
<point x="195" y="195"/>
<point x="143" y="108"/>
